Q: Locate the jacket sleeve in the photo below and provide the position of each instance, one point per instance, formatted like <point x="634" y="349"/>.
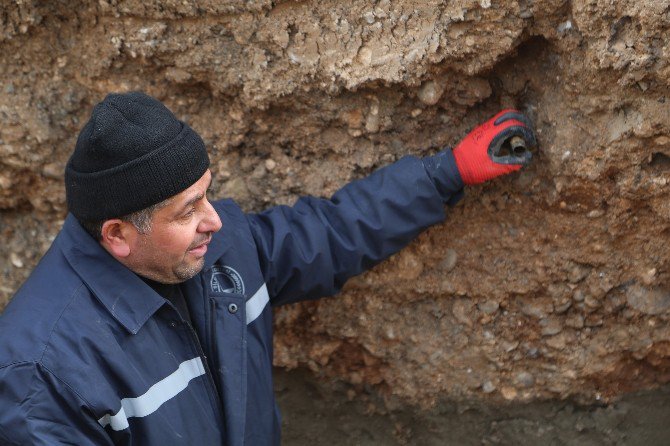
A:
<point x="36" y="408"/>
<point x="309" y="250"/>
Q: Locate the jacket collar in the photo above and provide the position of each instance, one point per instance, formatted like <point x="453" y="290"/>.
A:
<point x="127" y="298"/>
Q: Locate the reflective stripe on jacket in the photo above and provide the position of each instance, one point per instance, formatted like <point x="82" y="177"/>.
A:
<point x="90" y="355"/>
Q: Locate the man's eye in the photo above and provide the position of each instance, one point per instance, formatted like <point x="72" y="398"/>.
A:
<point x="189" y="213"/>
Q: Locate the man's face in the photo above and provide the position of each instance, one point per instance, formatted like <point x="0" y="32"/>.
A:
<point x="173" y="250"/>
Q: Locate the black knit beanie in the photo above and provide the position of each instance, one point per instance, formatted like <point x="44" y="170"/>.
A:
<point x="131" y="154"/>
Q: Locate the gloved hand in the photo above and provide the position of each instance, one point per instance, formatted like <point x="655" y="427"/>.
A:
<point x="477" y="155"/>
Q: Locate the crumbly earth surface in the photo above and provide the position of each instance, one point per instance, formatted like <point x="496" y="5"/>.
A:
<point x="551" y="283"/>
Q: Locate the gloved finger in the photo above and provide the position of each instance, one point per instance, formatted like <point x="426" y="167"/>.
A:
<point x="512" y="114"/>
<point x="510" y="120"/>
<point x="527" y="134"/>
<point x="501" y="114"/>
<point x="509" y="155"/>
<point x="514" y="160"/>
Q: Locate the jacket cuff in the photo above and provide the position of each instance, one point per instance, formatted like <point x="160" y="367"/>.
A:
<point x="442" y="170"/>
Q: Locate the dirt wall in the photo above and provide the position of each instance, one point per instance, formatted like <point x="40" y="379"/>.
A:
<point x="551" y="283"/>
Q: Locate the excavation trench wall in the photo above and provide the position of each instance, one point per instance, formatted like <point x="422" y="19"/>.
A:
<point x="550" y="283"/>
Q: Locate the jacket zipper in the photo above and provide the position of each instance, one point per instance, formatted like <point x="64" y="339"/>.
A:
<point x="208" y="370"/>
<point x="211" y="336"/>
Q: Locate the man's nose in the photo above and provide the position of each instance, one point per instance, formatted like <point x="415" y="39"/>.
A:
<point x="211" y="222"/>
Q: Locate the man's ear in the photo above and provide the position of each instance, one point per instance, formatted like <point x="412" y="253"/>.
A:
<point x="117" y="237"/>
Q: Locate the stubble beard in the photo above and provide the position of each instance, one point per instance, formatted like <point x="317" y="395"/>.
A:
<point x="177" y="273"/>
<point x="183" y="271"/>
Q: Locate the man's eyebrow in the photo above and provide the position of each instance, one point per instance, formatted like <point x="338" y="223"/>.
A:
<point x="190" y="202"/>
<point x="195" y="199"/>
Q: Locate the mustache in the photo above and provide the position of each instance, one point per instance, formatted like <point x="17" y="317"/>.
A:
<point x="206" y="239"/>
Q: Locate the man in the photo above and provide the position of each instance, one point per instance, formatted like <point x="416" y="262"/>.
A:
<point x="148" y="321"/>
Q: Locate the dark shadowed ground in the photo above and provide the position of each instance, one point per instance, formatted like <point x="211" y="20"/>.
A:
<point x="316" y="414"/>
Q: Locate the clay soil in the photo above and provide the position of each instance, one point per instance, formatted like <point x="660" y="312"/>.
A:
<point x="552" y="284"/>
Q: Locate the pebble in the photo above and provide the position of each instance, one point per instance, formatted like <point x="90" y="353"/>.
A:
<point x="591" y="301"/>
<point x="488" y="307"/>
<point x="532" y="353"/>
<point x="524" y="379"/>
<point x="430" y="92"/>
<point x="593" y="320"/>
<point x="5" y="182"/>
<point x="53" y="171"/>
<point x="353" y="118"/>
<point x="565" y="26"/>
<point x="578" y="296"/>
<point x="577" y="273"/>
<point x="556" y="342"/>
<point x="551" y="326"/>
<point x="509" y="346"/>
<point x="462" y="311"/>
<point x="372" y="122"/>
<point x="648" y="300"/>
<point x="562" y="306"/>
<point x="369" y="17"/>
<point x="16" y="260"/>
<point x="641" y="348"/>
<point x="270" y="164"/>
<point x="488" y="387"/>
<point x="449" y="261"/>
<point x="597" y="247"/>
<point x="380" y="13"/>
<point x="575" y="321"/>
<point x="615" y="302"/>
<point x="509" y="393"/>
<point x="561" y="295"/>
<point x="461" y="340"/>
<point x="538" y="308"/>
<point x="259" y="172"/>
<point x="648" y="276"/>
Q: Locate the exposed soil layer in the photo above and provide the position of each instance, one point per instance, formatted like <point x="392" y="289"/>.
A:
<point x="551" y="283"/>
<point x="314" y="411"/>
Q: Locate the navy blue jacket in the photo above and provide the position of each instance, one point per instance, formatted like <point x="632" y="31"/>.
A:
<point x="91" y="355"/>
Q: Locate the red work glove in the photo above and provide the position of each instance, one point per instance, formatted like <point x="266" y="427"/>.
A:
<point x="478" y="156"/>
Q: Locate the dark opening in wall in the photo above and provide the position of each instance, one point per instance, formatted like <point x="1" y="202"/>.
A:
<point x="660" y="162"/>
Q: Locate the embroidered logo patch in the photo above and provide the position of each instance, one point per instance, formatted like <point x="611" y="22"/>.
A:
<point x="226" y="280"/>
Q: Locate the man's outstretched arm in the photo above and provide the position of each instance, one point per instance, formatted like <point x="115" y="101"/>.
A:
<point x="309" y="250"/>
